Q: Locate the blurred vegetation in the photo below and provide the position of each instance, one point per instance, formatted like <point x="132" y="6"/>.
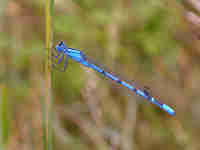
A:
<point x="155" y="43"/>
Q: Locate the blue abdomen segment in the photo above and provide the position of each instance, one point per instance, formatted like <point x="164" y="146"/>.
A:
<point x="163" y="106"/>
<point x="141" y="93"/>
<point x="151" y="99"/>
<point x="109" y="75"/>
<point x="96" y="68"/>
<point x="132" y="88"/>
<point x="168" y="109"/>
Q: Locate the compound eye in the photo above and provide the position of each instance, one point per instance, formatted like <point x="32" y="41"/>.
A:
<point x="61" y="43"/>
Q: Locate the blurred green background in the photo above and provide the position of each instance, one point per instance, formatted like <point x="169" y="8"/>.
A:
<point x="152" y="42"/>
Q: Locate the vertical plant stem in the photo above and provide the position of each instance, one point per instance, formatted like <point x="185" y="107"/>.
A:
<point x="4" y="124"/>
<point x="47" y="109"/>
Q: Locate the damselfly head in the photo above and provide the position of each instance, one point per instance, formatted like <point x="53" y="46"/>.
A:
<point x="61" y="47"/>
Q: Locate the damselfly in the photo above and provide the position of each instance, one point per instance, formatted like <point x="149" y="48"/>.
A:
<point x="63" y="53"/>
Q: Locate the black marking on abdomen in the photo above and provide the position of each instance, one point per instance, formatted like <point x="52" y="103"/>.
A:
<point x="119" y="81"/>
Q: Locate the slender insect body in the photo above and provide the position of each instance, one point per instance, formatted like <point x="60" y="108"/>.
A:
<point x="79" y="57"/>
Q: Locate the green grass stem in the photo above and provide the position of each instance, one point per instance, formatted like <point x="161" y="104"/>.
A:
<point x="48" y="100"/>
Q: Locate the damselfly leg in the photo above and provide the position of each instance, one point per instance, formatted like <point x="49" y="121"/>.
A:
<point x="59" y="60"/>
<point x="54" y="55"/>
